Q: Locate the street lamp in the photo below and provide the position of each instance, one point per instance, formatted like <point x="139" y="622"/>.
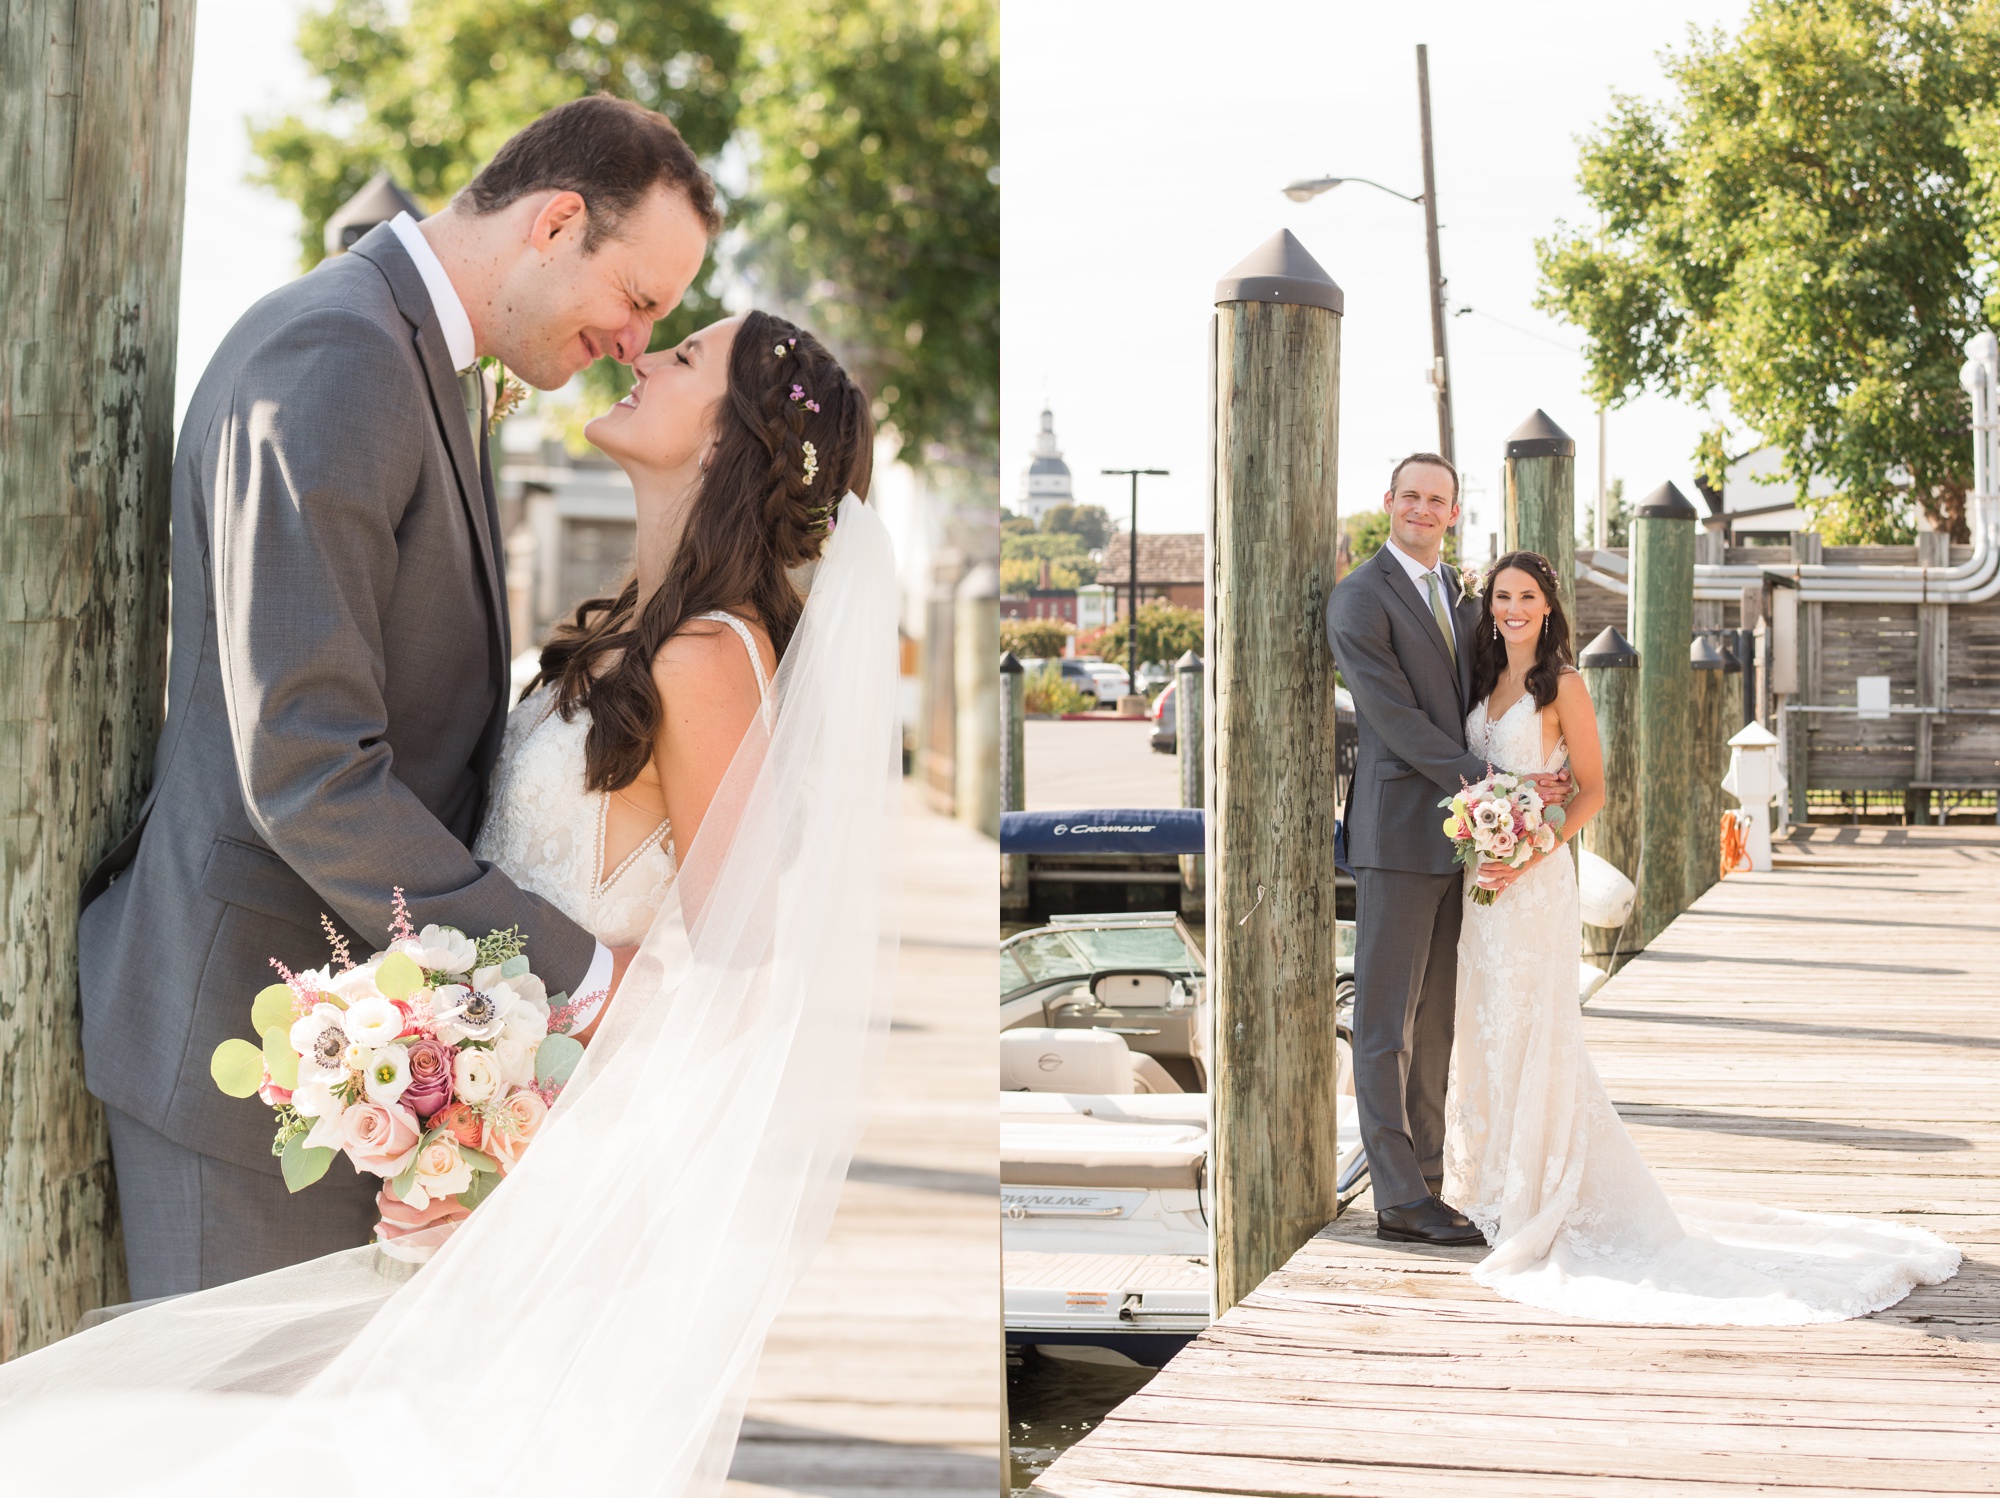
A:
<point x="1132" y="614"/>
<point x="1307" y="188"/>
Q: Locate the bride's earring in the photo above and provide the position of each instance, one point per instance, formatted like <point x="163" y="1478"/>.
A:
<point x="1496" y="629"/>
<point x="1545" y="624"/>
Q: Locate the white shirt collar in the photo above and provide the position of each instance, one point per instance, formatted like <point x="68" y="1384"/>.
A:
<point x="457" y="327"/>
<point x="1418" y="571"/>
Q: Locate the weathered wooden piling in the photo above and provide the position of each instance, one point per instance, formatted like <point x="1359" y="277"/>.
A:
<point x="976" y="743"/>
<point x="1013" y="781"/>
<point x="1271" y="917"/>
<point x="1194" y="784"/>
<point x="1659" y="618"/>
<point x="1709" y="686"/>
<point x="95" y="100"/>
<point x="1539" y="474"/>
<point x="1610" y="669"/>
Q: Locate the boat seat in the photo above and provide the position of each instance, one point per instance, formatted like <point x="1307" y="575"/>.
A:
<point x="1103" y="1155"/>
<point x="1039" y="1060"/>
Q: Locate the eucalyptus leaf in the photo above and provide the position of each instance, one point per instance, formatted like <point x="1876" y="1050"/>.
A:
<point x="280" y="1060"/>
<point x="401" y="1187"/>
<point x="480" y="1187"/>
<point x="302" y="1164"/>
<point x="272" y="1006"/>
<point x="398" y="977"/>
<point x="556" y="1057"/>
<point x="238" y="1068"/>
<point x="514" y="967"/>
<point x="479" y="1160"/>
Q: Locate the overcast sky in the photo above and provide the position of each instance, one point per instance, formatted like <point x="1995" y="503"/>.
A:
<point x="1142" y="157"/>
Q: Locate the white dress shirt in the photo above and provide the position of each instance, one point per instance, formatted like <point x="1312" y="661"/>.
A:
<point x="458" y="342"/>
<point x="1418" y="572"/>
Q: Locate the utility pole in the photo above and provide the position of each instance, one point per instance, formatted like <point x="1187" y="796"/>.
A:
<point x="1132" y="614"/>
<point x="1440" y="360"/>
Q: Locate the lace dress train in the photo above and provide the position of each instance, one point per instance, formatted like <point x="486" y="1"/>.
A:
<point x="1537" y="1156"/>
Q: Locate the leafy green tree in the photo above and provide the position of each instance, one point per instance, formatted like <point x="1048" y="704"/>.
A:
<point x="1088" y="522"/>
<point x="1618" y="524"/>
<point x="1367" y="532"/>
<point x="1032" y="548"/>
<point x="1021" y="574"/>
<point x="1015" y="525"/>
<point x="876" y="202"/>
<point x="1789" y="238"/>
<point x="1166" y="633"/>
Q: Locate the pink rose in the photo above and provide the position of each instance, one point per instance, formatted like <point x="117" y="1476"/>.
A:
<point x="527" y="1112"/>
<point x="400" y="1218"/>
<point x="379" y="1138"/>
<point x="1503" y="841"/>
<point x="430" y="1077"/>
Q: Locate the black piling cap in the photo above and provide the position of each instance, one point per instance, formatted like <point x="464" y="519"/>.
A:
<point x="1280" y="270"/>
<point x="1664" y="503"/>
<point x="1009" y="666"/>
<point x="1702" y="656"/>
<point x="1188" y="662"/>
<point x="1609" y="649"/>
<point x="1538" y="437"/>
<point x="1730" y="660"/>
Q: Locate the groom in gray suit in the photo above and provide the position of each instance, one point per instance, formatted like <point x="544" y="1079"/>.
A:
<point x="1402" y="636"/>
<point x="338" y="681"/>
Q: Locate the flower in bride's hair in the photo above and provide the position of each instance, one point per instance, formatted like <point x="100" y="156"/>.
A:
<point x="388" y="1074"/>
<point x="380" y="1137"/>
<point x="439" y="949"/>
<point x="432" y="1077"/>
<point x="373" y="1021"/>
<point x="475" y="1077"/>
<point x="812" y="463"/>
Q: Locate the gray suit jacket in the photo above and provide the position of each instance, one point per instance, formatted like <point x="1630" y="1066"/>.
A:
<point x="1410" y="704"/>
<point x="335" y="695"/>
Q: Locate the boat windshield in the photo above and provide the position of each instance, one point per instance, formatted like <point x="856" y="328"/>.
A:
<point x="1076" y="951"/>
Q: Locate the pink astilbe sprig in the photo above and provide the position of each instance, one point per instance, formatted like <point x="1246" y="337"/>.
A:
<point x="564" y="1015"/>
<point x="335" y="940"/>
<point x="303" y="997"/>
<point x="400" y="928"/>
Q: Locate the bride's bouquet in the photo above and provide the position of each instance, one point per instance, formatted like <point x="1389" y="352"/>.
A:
<point x="431" y="1065"/>
<point x="1500" y="819"/>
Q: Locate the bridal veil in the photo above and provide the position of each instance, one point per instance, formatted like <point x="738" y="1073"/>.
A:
<point x="594" y="1326"/>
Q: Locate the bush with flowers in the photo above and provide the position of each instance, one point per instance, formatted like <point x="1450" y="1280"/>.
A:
<point x="431" y="1064"/>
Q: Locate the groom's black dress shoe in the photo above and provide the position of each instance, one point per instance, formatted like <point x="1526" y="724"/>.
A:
<point x="1427" y="1221"/>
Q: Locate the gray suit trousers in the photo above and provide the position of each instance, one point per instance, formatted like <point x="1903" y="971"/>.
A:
<point x="200" y="1222"/>
<point x="1405" y="1005"/>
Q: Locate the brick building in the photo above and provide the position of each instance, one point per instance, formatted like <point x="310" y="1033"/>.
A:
<point x="1170" y="568"/>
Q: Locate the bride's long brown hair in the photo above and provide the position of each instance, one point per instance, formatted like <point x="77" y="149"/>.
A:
<point x="1552" y="651"/>
<point x="758" y="512"/>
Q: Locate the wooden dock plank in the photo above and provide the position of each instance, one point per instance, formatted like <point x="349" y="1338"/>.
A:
<point x="1825" y="1037"/>
<point x="882" y="1376"/>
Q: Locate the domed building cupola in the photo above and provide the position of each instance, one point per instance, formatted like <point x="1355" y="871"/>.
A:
<point x="1045" y="482"/>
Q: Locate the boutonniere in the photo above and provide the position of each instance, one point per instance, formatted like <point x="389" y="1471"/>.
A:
<point x="509" y="391"/>
<point x="1473" y="582"/>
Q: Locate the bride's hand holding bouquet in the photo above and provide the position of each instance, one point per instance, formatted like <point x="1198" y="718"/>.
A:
<point x="1499" y="826"/>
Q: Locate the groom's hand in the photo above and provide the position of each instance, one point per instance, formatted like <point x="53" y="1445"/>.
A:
<point x="1556" y="789"/>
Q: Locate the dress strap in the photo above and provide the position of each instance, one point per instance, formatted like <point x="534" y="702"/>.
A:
<point x="756" y="660"/>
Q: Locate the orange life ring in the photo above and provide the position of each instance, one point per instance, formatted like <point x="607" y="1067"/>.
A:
<point x="1735" y="851"/>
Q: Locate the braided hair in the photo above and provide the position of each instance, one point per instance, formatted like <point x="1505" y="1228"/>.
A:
<point x="793" y="435"/>
<point x="1552" y="651"/>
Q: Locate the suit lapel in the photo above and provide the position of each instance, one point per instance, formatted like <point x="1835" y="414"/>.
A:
<point x="1412" y="599"/>
<point x="381" y="248"/>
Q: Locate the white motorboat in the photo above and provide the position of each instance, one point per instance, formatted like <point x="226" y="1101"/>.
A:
<point x="1104" y="1133"/>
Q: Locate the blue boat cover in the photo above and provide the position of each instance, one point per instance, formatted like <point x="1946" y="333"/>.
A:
<point x="1119" y="830"/>
<point x="1114" y="830"/>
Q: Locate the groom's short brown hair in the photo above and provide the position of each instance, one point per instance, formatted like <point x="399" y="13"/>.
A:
<point x="611" y="152"/>
<point x="1432" y="458"/>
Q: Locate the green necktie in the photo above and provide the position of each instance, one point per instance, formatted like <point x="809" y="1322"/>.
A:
<point x="1438" y="610"/>
<point x="473" y="389"/>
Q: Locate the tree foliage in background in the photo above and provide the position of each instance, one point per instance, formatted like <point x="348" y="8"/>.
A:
<point x="1617" y="523"/>
<point x="1368" y="532"/>
<point x="1791" y="235"/>
<point x="1035" y="639"/>
<point x="876" y="205"/>
<point x="1090" y="523"/>
<point x="1166" y="633"/>
<point x="871" y="129"/>
<point x="1045" y="691"/>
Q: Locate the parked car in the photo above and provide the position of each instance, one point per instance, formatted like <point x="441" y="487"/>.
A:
<point x="1112" y="682"/>
<point x="1076" y="672"/>
<point x="1163" y="740"/>
<point x="1154" y="674"/>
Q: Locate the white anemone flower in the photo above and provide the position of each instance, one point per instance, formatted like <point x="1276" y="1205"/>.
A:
<point x="473" y="1014"/>
<point x="387" y="1074"/>
<point x="320" y="1038"/>
<point x="373" y="1021"/>
<point x="440" y="949"/>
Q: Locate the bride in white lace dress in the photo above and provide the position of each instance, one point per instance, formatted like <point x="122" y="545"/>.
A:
<point x="707" y="777"/>
<point x="1535" y="1153"/>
